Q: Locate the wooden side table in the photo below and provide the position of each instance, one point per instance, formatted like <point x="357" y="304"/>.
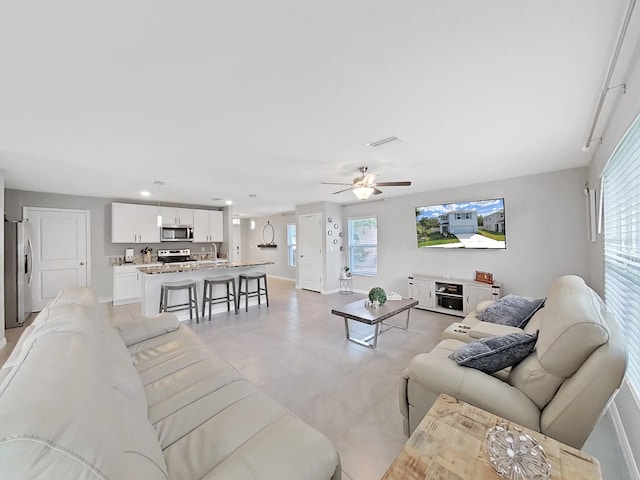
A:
<point x="449" y="444"/>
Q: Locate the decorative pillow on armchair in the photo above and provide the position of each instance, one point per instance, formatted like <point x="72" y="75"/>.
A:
<point x="512" y="310"/>
<point x="492" y="354"/>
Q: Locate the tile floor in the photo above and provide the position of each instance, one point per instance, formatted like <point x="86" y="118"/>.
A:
<point x="296" y="351"/>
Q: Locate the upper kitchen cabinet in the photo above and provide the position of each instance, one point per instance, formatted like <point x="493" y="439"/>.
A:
<point x="132" y="223"/>
<point x="208" y="226"/>
<point x="176" y="216"/>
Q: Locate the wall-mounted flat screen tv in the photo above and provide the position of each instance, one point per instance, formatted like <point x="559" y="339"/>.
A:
<point x="478" y="224"/>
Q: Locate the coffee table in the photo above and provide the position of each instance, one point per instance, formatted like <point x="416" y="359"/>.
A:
<point x="373" y="316"/>
<point x="449" y="445"/>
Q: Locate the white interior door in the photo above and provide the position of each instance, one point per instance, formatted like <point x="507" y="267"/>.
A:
<point x="60" y="240"/>
<point x="236" y="244"/>
<point x="310" y="236"/>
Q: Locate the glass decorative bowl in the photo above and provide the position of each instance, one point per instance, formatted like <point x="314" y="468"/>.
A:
<point x="516" y="455"/>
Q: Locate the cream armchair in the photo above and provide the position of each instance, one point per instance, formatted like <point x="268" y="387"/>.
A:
<point x="561" y="389"/>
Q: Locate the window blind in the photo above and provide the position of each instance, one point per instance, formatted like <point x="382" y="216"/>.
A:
<point x="621" y="197"/>
<point x="363" y="245"/>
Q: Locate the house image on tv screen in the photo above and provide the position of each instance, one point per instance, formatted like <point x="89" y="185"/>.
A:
<point x="495" y="221"/>
<point x="461" y="221"/>
<point x="476" y="224"/>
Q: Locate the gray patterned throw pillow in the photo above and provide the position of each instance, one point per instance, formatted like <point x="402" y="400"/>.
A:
<point x="512" y="310"/>
<point x="495" y="353"/>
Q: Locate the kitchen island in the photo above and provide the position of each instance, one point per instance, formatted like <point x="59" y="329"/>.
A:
<point x="154" y="276"/>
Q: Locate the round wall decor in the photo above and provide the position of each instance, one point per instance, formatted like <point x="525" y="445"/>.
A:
<point x="268" y="236"/>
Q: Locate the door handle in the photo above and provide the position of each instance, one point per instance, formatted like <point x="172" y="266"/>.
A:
<point x="81" y="263"/>
<point x="31" y="265"/>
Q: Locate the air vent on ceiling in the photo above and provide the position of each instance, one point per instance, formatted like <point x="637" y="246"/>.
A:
<point x="384" y="141"/>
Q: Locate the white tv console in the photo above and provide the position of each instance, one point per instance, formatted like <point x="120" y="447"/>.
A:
<point x="452" y="296"/>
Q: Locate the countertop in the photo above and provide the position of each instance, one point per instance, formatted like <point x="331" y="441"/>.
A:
<point x="205" y="265"/>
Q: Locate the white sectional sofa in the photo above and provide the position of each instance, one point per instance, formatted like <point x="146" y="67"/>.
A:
<point x="82" y="399"/>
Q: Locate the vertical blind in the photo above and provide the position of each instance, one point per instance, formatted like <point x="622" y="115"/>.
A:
<point x="621" y="196"/>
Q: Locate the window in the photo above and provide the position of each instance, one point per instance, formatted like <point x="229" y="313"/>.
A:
<point x="363" y="245"/>
<point x="621" y="195"/>
<point x="291" y="244"/>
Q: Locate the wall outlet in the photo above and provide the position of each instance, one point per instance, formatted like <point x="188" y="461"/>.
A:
<point x="202" y="249"/>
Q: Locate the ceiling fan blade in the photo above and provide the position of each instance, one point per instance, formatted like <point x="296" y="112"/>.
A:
<point x="393" y="184"/>
<point x="376" y="191"/>
<point x="333" y="183"/>
<point x="340" y="191"/>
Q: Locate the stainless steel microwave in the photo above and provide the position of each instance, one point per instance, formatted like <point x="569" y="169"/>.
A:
<point x="176" y="233"/>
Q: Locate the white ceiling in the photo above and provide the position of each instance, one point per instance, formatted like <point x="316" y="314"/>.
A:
<point x="227" y="99"/>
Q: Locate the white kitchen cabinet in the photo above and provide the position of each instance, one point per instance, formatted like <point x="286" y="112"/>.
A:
<point x="149" y="232"/>
<point x="208" y="226"/>
<point x="452" y="296"/>
<point x="216" y="226"/>
<point x="124" y="223"/>
<point x="132" y="223"/>
<point x="176" y="216"/>
<point x="127" y="283"/>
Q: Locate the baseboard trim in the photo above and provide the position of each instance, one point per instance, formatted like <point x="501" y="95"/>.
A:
<point x="105" y="299"/>
<point x="3" y="342"/>
<point x="329" y="292"/>
<point x="282" y="278"/>
<point x="627" y="452"/>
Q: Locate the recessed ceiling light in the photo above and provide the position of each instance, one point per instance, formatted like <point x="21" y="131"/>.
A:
<point x="144" y="193"/>
<point x="228" y="202"/>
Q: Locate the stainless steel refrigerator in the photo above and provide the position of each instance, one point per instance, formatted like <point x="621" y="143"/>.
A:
<point x="18" y="253"/>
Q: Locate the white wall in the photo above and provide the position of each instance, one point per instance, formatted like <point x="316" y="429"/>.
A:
<point x="277" y="255"/>
<point x="3" y="339"/>
<point x="334" y="261"/>
<point x="546" y="235"/>
<point x="627" y="109"/>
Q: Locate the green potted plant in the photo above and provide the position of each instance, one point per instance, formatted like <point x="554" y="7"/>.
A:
<point x="378" y="294"/>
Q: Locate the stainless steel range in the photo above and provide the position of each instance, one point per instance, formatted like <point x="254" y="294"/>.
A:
<point x="175" y="256"/>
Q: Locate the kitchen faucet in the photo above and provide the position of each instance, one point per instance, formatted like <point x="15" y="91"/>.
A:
<point x="214" y="251"/>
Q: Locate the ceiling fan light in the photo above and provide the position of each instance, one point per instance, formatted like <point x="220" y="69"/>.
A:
<point x="363" y="192"/>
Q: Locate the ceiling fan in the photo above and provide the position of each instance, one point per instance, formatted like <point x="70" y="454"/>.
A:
<point x="365" y="185"/>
